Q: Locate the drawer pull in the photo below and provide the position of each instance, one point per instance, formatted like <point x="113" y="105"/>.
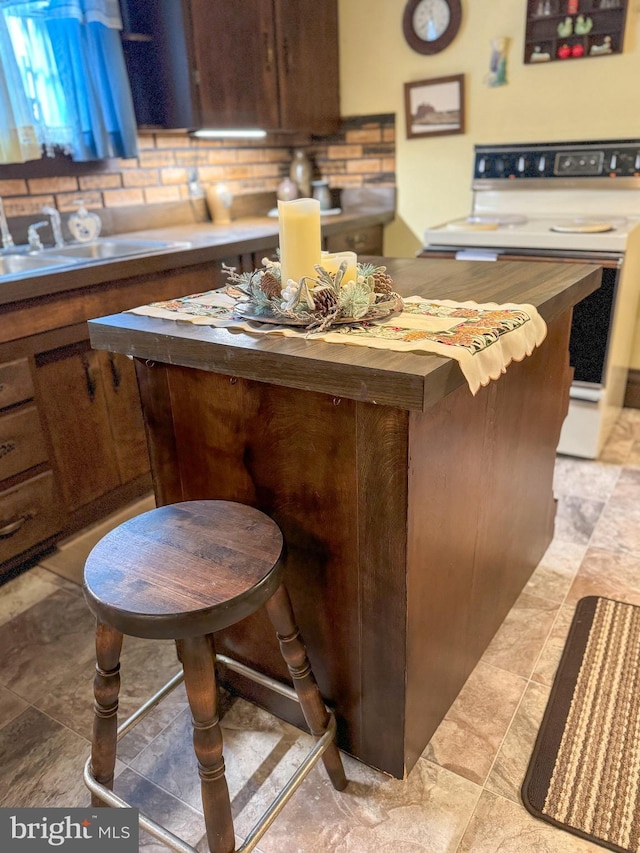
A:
<point x="13" y="526"/>
<point x="91" y="385"/>
<point x="6" y="448"/>
<point x="115" y="373"/>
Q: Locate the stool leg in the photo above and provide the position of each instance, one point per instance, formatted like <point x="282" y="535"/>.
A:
<point x="293" y="650"/>
<point x="198" y="660"/>
<point x="106" y="687"/>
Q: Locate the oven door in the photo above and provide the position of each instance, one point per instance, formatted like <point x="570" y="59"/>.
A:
<point x="592" y="318"/>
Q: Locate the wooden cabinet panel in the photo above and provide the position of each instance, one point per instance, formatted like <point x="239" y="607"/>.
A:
<point x="74" y="408"/>
<point x="125" y="415"/>
<point x="28" y="514"/>
<point x="363" y="241"/>
<point x="22" y="443"/>
<point x="15" y="382"/>
<point x="308" y="75"/>
<point x="234" y="54"/>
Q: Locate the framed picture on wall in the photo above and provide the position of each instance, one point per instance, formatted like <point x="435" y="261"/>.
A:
<point x="434" y="107"/>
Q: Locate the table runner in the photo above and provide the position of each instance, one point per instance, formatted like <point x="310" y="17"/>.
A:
<point x="484" y="338"/>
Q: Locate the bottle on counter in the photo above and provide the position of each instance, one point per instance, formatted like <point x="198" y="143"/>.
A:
<point x="300" y="172"/>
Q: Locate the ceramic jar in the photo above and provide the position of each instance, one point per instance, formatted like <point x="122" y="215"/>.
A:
<point x="300" y="172"/>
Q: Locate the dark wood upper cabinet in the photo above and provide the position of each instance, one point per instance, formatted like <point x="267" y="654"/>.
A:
<point x="268" y="64"/>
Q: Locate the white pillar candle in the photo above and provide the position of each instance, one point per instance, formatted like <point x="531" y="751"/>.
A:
<point x="300" y="240"/>
<point x="331" y="262"/>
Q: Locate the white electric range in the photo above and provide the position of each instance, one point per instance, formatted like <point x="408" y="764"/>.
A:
<point x="572" y="202"/>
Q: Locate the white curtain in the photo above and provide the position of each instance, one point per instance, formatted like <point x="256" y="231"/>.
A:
<point x="70" y="81"/>
<point x="18" y="140"/>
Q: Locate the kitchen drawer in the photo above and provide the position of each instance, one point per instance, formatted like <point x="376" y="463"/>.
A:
<point x="15" y="382"/>
<point x="29" y="513"/>
<point x="22" y="443"/>
<point x="363" y="241"/>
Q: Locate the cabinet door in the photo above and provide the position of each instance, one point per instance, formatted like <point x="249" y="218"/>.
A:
<point x="234" y="53"/>
<point x="307" y="39"/>
<point x="74" y="407"/>
<point x="125" y="415"/>
<point x="362" y="241"/>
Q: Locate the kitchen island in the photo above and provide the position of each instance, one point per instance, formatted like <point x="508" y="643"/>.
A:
<point x="414" y="512"/>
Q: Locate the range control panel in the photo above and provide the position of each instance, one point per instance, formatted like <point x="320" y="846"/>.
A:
<point x="610" y="159"/>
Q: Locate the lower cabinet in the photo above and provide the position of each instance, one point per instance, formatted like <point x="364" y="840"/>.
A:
<point x="90" y="408"/>
<point x="362" y="241"/>
<point x="72" y="440"/>
<point x="29" y="514"/>
<point x="29" y="506"/>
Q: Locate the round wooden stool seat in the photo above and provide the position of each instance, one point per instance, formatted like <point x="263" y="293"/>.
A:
<point x="184" y="570"/>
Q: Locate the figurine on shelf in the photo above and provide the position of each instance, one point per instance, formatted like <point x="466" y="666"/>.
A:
<point x="497" y="75"/>
<point x="565" y="28"/>
<point x="583" y="25"/>
<point x="577" y="50"/>
<point x="572" y="7"/>
<point x="600" y="49"/>
<point x="539" y="55"/>
<point x="564" y="51"/>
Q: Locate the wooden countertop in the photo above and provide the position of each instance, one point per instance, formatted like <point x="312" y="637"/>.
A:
<point x="209" y="243"/>
<point x="403" y="380"/>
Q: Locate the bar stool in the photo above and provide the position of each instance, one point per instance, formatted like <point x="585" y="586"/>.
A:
<point x="182" y="572"/>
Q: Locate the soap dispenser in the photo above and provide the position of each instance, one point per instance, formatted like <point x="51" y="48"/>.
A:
<point x="84" y="225"/>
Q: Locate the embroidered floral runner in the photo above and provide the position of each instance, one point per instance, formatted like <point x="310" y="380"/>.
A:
<point x="483" y="338"/>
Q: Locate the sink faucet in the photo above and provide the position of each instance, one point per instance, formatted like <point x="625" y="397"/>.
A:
<point x="33" y="238"/>
<point x="7" y="239"/>
<point x="56" y="225"/>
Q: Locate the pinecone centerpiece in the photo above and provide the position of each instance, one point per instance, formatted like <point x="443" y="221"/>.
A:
<point x="316" y="303"/>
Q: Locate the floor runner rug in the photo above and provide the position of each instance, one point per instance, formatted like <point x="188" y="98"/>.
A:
<point x="584" y="773"/>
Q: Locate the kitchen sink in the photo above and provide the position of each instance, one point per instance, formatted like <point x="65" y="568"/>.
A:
<point x="20" y="262"/>
<point x="110" y="249"/>
<point x="25" y="264"/>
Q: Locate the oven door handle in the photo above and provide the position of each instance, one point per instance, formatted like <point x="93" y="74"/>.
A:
<point x="588" y="395"/>
<point x="476" y="255"/>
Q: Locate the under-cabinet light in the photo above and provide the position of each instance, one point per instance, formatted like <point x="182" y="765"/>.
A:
<point x="230" y="134"/>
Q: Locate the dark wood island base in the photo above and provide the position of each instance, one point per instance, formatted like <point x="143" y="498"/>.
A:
<point x="413" y="512"/>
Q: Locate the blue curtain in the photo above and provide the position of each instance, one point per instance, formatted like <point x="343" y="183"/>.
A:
<point x="74" y="75"/>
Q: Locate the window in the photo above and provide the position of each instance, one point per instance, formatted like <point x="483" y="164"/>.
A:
<point x="70" y="88"/>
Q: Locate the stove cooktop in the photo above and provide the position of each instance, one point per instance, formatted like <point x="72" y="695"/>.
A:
<point x="606" y="234"/>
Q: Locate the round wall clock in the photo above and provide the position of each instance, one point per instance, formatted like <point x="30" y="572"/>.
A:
<point x="431" y="25"/>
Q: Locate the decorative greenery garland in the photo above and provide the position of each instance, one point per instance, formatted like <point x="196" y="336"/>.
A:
<point x="317" y="302"/>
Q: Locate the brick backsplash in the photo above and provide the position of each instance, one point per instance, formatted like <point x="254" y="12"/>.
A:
<point x="360" y="154"/>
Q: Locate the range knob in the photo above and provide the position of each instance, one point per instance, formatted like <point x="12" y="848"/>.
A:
<point x="521" y="164"/>
<point x="613" y="162"/>
<point x="482" y="165"/>
<point x="499" y="166"/>
<point x="542" y="162"/>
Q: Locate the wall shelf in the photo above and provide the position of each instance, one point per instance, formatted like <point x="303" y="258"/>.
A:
<point x="551" y="29"/>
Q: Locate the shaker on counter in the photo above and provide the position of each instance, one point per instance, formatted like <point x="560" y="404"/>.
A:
<point x="219" y="201"/>
<point x="322" y="192"/>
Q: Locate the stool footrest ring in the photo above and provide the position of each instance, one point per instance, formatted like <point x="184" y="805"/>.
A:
<point x="264" y="822"/>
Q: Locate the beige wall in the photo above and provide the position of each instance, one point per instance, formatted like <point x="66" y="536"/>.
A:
<point x="594" y="98"/>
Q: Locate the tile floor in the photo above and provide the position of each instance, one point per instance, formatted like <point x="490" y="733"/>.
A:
<point x="462" y="796"/>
